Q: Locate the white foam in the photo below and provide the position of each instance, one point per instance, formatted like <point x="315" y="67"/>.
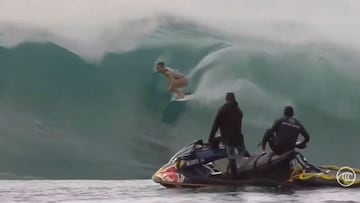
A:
<point x="92" y="28"/>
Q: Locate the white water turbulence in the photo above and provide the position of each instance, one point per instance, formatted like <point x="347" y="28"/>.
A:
<point x="72" y="191"/>
<point x="93" y="28"/>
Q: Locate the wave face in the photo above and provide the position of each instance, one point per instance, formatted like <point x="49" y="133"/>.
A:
<point x="92" y="107"/>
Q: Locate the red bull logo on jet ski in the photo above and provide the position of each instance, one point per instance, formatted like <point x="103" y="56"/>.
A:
<point x="169" y="174"/>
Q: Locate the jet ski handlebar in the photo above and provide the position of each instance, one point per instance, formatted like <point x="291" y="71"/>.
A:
<point x="200" y="144"/>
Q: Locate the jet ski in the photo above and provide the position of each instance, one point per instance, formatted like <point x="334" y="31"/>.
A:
<point x="200" y="164"/>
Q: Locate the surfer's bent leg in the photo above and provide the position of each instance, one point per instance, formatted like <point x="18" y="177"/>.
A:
<point x="177" y="91"/>
<point x="177" y="84"/>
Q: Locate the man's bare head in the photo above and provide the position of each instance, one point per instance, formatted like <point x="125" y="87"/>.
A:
<point x="160" y="67"/>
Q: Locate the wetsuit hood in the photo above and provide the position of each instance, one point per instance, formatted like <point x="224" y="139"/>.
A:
<point x="289" y="111"/>
<point x="230" y="96"/>
<point x="230" y="99"/>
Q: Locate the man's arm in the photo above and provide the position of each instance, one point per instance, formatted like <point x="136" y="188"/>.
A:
<point x="269" y="133"/>
<point x="215" y="125"/>
<point x="305" y="134"/>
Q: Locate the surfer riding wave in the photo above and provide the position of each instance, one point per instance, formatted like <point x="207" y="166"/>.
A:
<point x="177" y="80"/>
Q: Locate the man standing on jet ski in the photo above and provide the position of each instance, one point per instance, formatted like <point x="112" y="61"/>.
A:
<point x="283" y="135"/>
<point x="229" y="120"/>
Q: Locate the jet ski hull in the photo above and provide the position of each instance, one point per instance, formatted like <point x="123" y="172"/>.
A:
<point x="199" y="165"/>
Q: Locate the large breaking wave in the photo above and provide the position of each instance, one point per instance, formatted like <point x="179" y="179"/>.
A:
<point x="80" y="100"/>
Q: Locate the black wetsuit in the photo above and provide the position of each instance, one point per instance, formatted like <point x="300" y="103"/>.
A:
<point x="283" y="135"/>
<point x="229" y="120"/>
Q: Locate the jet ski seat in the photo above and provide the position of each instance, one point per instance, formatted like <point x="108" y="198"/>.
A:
<point x="245" y="164"/>
<point x="261" y="160"/>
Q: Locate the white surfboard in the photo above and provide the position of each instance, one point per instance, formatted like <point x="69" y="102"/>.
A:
<point x="187" y="97"/>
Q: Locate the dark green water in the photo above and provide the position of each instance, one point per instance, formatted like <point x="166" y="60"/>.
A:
<point x="64" y="117"/>
<point x="109" y="191"/>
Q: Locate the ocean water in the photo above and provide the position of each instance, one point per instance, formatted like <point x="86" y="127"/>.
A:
<point x="79" y="98"/>
<point x="147" y="191"/>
